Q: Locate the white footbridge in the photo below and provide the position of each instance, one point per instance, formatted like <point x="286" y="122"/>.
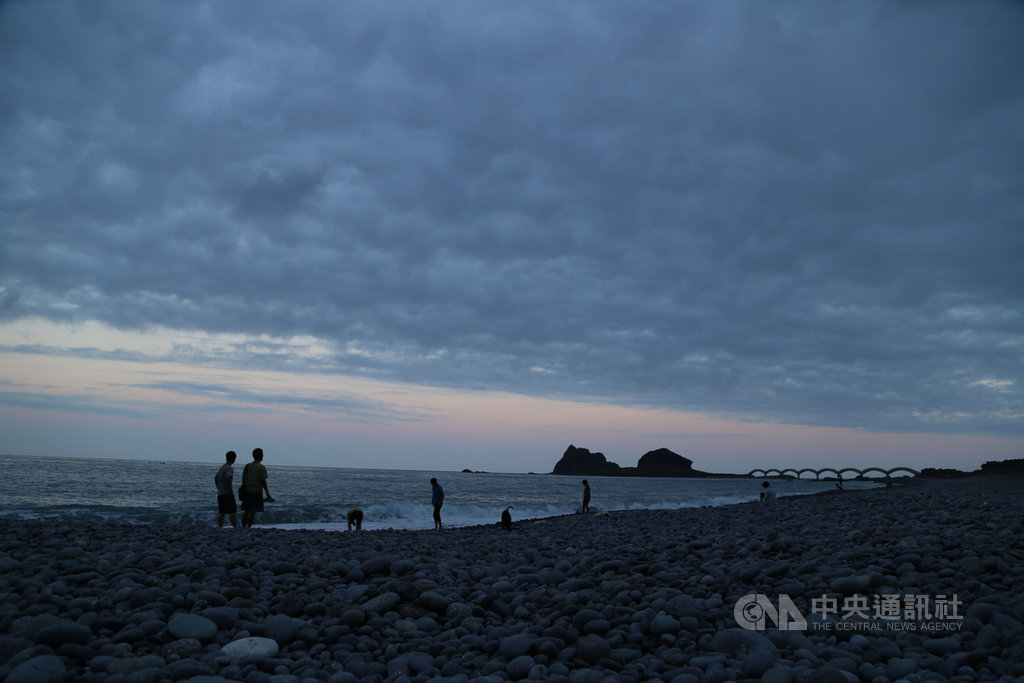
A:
<point x="839" y="473"/>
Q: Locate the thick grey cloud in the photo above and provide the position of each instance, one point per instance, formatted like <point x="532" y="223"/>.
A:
<point x="805" y="213"/>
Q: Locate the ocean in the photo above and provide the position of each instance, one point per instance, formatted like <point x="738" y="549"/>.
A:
<point x="153" y="492"/>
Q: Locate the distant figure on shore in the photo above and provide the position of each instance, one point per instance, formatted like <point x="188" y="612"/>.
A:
<point x="437" y="499"/>
<point x="506" y="518"/>
<point x="254" y="483"/>
<point x="767" y="493"/>
<point x="355" y="516"/>
<point x="224" y="480"/>
<point x="586" y="497"/>
<point x="839" y="484"/>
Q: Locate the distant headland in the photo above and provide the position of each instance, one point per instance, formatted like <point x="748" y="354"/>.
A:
<point x="992" y="468"/>
<point x="659" y="463"/>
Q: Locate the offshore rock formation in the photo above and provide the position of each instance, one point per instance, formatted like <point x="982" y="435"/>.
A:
<point x="658" y="463"/>
<point x="582" y="462"/>
<point x="665" y="463"/>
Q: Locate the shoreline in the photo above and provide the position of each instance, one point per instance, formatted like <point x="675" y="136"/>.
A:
<point x="633" y="594"/>
<point x="389" y="500"/>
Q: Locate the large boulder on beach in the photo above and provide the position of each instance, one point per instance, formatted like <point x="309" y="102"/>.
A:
<point x="580" y="461"/>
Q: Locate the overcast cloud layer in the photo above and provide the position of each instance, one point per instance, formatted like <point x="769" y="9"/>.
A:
<point x="803" y="212"/>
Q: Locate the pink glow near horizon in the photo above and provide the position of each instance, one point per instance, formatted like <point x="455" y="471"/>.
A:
<point x="429" y="428"/>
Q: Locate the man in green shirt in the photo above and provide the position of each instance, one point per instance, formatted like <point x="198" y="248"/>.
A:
<point x="254" y="483"/>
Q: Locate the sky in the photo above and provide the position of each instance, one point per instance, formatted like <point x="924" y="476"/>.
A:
<point x="467" y="234"/>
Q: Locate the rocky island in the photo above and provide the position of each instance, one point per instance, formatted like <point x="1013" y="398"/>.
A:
<point x="658" y="463"/>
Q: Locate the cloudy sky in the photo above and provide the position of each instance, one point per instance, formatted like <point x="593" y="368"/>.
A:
<point x="467" y="234"/>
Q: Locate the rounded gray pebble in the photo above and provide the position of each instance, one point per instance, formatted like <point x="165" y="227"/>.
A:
<point x="377" y="565"/>
<point x="900" y="667"/>
<point x="182" y="648"/>
<point x="778" y="674"/>
<point x="686" y="678"/>
<point x="399" y="567"/>
<point x="758" y="661"/>
<point x="281" y="628"/>
<point x="353" y="618"/>
<point x="732" y="641"/>
<point x="849" y="585"/>
<point x="433" y="601"/>
<point x="191" y="626"/>
<point x="63" y="632"/>
<point x="592" y="648"/>
<point x="942" y="646"/>
<point x="42" y="669"/>
<point x="664" y="624"/>
<point x="515" y="646"/>
<point x="223" y="617"/>
<point x="587" y="676"/>
<point x="382" y="603"/>
<point x="519" y="667"/>
<point x="250" y="649"/>
<point x="457" y="611"/>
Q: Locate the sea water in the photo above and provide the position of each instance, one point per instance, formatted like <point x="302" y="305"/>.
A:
<point x="141" y="491"/>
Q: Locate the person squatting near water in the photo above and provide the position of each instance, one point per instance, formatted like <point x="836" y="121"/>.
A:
<point x="355" y="518"/>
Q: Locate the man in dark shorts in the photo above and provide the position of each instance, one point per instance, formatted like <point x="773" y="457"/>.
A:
<point x="225" y="482"/>
<point x="254" y="482"/>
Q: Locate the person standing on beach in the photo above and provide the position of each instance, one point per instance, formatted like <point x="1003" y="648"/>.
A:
<point x="437" y="499"/>
<point x="254" y="483"/>
<point x="586" y="497"/>
<point x="224" y="480"/>
<point x="768" y="493"/>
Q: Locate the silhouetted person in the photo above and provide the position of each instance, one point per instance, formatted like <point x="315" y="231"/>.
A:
<point x="254" y="483"/>
<point x="586" y="497"/>
<point x="355" y="517"/>
<point x="767" y="493"/>
<point x="224" y="480"/>
<point x="437" y="500"/>
<point x="506" y="518"/>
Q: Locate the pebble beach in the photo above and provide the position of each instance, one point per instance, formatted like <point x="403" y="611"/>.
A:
<point x="931" y="572"/>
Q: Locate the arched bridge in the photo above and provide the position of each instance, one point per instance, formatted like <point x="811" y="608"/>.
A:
<point x="839" y="473"/>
